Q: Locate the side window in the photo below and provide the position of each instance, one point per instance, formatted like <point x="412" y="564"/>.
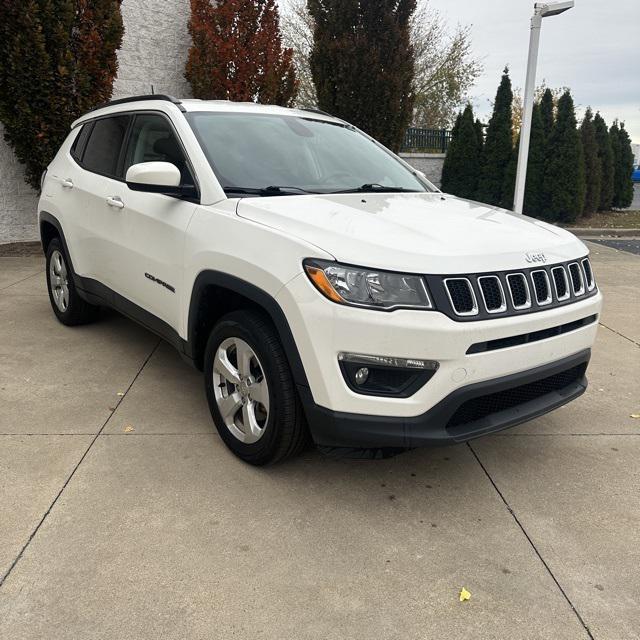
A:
<point x="152" y="139"/>
<point x="103" y="147"/>
<point x="79" y="144"/>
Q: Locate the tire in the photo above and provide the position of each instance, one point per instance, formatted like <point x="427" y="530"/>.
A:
<point x="244" y="361"/>
<point x="68" y="306"/>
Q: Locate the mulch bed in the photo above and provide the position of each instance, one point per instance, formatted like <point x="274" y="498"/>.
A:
<point x="20" y="249"/>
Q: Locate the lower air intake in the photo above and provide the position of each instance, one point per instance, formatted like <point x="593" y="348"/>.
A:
<point x="478" y="408"/>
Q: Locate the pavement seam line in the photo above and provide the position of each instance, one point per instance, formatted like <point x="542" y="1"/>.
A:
<point x="13" y="284"/>
<point x="620" y="334"/>
<point x="75" y="468"/>
<point x="530" y="541"/>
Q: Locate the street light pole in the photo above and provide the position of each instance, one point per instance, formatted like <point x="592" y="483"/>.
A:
<point x="540" y="10"/>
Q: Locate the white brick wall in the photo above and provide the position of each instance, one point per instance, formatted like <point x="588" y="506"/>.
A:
<point x="153" y="52"/>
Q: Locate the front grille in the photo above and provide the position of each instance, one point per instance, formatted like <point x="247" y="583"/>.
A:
<point x="541" y="287"/>
<point x="461" y="296"/>
<point x="468" y="297"/>
<point x="492" y="294"/>
<point x="560" y="282"/>
<point x="483" y="406"/>
<point x="519" y="290"/>
<point x="576" y="279"/>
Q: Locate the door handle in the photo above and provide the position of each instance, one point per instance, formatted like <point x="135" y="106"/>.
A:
<point x="115" y="201"/>
<point x="67" y="183"/>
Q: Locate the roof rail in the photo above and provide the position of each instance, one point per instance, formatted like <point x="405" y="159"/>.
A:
<point x="157" y="96"/>
<point x="316" y="110"/>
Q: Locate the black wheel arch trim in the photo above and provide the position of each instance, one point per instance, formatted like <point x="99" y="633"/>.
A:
<point x="45" y="216"/>
<point x="259" y="297"/>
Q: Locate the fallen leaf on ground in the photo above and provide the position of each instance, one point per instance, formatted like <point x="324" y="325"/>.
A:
<point x="128" y="429"/>
<point x="464" y="594"/>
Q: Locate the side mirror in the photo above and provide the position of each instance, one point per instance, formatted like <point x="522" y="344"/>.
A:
<point x="157" y="177"/>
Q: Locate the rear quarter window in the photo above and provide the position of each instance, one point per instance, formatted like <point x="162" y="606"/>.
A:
<point x="79" y="144"/>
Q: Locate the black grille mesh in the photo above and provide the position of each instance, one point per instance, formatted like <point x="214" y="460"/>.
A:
<point x="492" y="293"/>
<point x="478" y="408"/>
<point x="576" y="280"/>
<point x="461" y="295"/>
<point x="560" y="281"/>
<point x="541" y="285"/>
<point x="518" y="287"/>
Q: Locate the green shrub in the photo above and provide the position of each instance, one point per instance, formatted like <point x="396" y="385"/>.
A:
<point x="363" y="64"/>
<point x="57" y="59"/>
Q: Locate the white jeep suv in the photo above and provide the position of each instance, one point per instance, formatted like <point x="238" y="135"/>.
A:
<point x="323" y="285"/>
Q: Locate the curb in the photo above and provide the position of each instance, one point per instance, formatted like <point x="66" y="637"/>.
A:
<point x="584" y="232"/>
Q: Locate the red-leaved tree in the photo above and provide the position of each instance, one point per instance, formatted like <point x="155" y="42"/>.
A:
<point x="237" y="53"/>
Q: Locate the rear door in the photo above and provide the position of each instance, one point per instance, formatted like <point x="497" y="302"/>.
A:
<point x="99" y="187"/>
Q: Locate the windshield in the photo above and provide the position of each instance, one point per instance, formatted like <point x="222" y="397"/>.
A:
<point x="265" y="154"/>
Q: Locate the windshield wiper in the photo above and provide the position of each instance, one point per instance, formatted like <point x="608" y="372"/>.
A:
<point x="272" y="190"/>
<point x="374" y="187"/>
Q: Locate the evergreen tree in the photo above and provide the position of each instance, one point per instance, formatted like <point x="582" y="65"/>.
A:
<point x="498" y="146"/>
<point x="237" y="53"/>
<point x="463" y="159"/>
<point x="363" y="64"/>
<point x="448" y="170"/>
<point x="546" y="113"/>
<point x="605" y="155"/>
<point x="479" y="136"/>
<point x="592" y="164"/>
<point x="564" y="180"/>
<point x="535" y="167"/>
<point x="509" y="185"/>
<point x="622" y="166"/>
<point x="58" y="59"/>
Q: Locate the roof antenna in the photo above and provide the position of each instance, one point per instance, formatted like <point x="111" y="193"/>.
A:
<point x="153" y="92"/>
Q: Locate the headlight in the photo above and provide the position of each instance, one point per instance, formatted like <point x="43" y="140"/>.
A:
<point x="369" y="288"/>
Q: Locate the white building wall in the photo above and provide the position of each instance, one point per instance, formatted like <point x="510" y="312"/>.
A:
<point x="154" y="52"/>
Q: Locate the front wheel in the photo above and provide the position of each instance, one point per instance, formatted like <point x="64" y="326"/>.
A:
<point x="250" y="390"/>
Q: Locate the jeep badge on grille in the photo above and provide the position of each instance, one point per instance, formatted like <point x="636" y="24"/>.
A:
<point x="535" y="257"/>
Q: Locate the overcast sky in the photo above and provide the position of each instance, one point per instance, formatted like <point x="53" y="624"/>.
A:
<point x="594" y="49"/>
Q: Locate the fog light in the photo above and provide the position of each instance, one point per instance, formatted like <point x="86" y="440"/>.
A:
<point x="361" y="375"/>
<point x="385" y="376"/>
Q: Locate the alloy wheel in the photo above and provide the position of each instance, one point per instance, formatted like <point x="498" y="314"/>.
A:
<point x="241" y="390"/>
<point x="59" y="281"/>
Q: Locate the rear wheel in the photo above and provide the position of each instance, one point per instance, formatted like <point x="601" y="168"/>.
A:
<point x="66" y="303"/>
<point x="251" y="393"/>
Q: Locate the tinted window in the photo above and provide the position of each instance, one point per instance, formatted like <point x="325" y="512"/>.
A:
<point x="77" y="149"/>
<point x="103" y="147"/>
<point x="153" y="140"/>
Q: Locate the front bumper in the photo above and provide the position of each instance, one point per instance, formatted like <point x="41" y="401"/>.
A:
<point x="339" y="416"/>
<point x="516" y="398"/>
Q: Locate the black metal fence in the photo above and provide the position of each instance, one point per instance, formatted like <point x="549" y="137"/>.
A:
<point x="426" y="140"/>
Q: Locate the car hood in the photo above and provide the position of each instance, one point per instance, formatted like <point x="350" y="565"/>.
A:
<point x="414" y="232"/>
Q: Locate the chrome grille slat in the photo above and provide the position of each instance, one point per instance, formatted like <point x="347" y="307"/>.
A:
<point x="577" y="280"/>
<point x="560" y="283"/>
<point x="461" y="296"/>
<point x="492" y="294"/>
<point x="541" y="287"/>
<point x="519" y="288"/>
<point x="588" y="273"/>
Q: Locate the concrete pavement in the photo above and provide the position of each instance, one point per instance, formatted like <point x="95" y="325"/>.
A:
<point x="122" y="515"/>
